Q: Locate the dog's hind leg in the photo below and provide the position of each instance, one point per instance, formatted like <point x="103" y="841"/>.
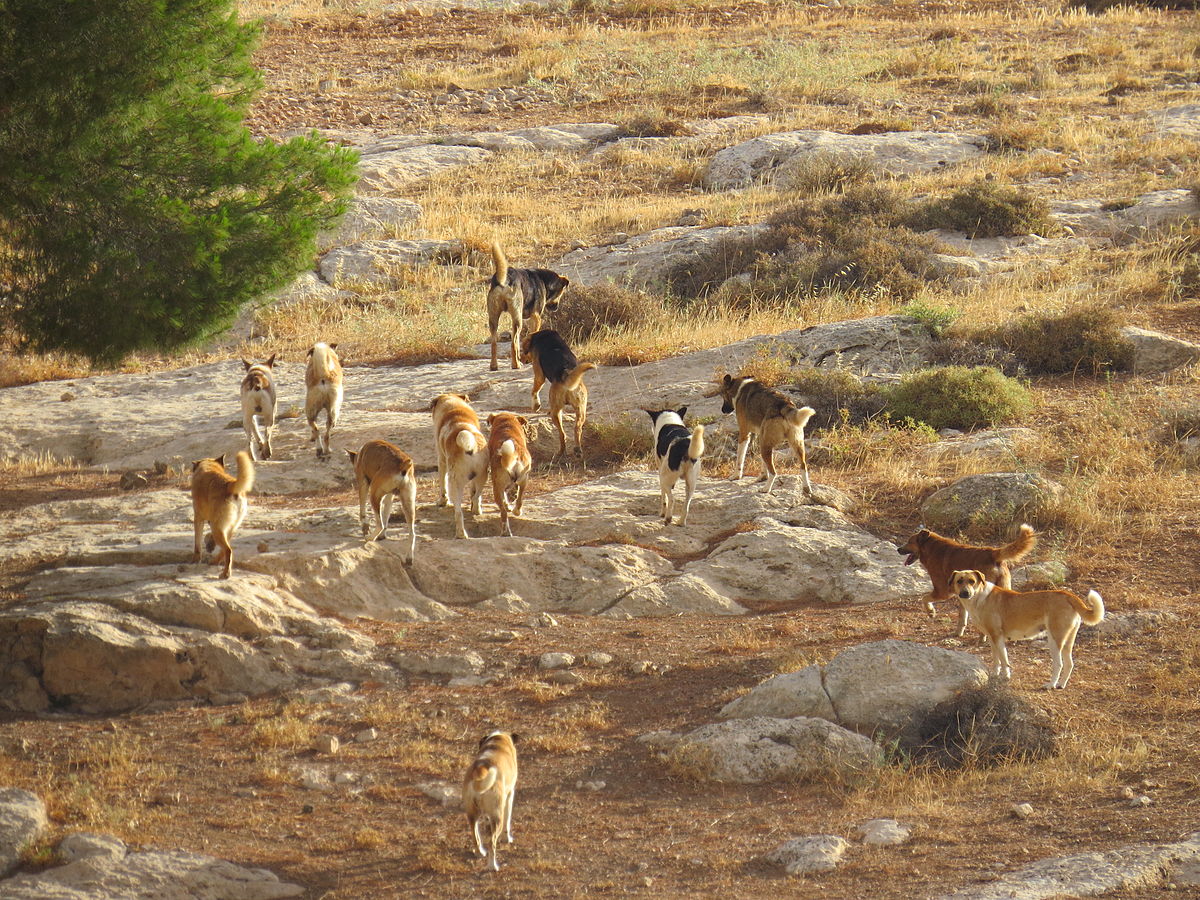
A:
<point x="363" y="486"/>
<point x="508" y="806"/>
<point x="475" y="823"/>
<point x="408" y="505"/>
<point x="768" y="458"/>
<point x="268" y="429"/>
<point x="743" y="446"/>
<point x="556" y="414"/>
<point x="1065" y="657"/>
<point x="800" y="451"/>
<point x="199" y="529"/>
<point x="580" y="419"/>
<point x="332" y="411"/>
<point x="515" y="347"/>
<point x="253" y="435"/>
<point x="689" y="482"/>
<point x="493" y="327"/>
<point x="222" y="541"/>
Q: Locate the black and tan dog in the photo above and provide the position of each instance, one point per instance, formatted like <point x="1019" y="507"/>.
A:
<point x="489" y="789"/>
<point x="219" y="501"/>
<point x="765" y="412"/>
<point x="523" y="294"/>
<point x="554" y="362"/>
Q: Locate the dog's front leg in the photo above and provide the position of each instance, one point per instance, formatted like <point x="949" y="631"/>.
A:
<point x="514" y="347"/>
<point x="743" y="446"/>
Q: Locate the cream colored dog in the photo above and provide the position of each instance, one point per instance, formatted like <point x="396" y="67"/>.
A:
<point x="219" y="501"/>
<point x="489" y="789"/>
<point x="508" y="452"/>
<point x="1005" y="615"/>
<point x="462" y="455"/>
<point x="383" y="470"/>
<point x="323" y="380"/>
<point x="258" y="398"/>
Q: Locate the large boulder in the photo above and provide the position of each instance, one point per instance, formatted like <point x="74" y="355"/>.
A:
<point x="22" y="821"/>
<point x="876" y="345"/>
<point x="994" y="497"/>
<point x="382" y="264"/>
<point x="370" y="218"/>
<point x="383" y="170"/>
<point x="899" y="153"/>
<point x="800" y="693"/>
<point x="1155" y="352"/>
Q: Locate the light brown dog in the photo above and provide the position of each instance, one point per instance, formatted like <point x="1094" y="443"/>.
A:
<point x="554" y="362"/>
<point x="258" y="398"/>
<point x="462" y="455"/>
<point x="765" y="412"/>
<point x="219" y="501"/>
<point x="489" y="789"/>
<point x="323" y="381"/>
<point x="508" y="453"/>
<point x="1004" y="615"/>
<point x="383" y="470"/>
<point x="942" y="557"/>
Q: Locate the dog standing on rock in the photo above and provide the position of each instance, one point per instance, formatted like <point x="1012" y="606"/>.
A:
<point x="323" y="380"/>
<point x="258" y="399"/>
<point x="553" y="361"/>
<point x="523" y="294"/>
<point x="765" y="412"/>
<point x="219" y="501"/>
<point x="462" y="455"/>
<point x="678" y="452"/>
<point x="489" y="789"/>
<point x="383" y="470"/>
<point x="508" y="452"/>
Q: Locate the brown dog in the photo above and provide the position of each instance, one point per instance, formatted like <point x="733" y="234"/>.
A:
<point x="942" y="557"/>
<point x="219" y="500"/>
<point x="773" y="417"/>
<point x="462" y="455"/>
<point x="488" y="791"/>
<point x="553" y="361"/>
<point x="511" y="463"/>
<point x="323" y="383"/>
<point x="1004" y="615"/>
<point x="384" y="470"/>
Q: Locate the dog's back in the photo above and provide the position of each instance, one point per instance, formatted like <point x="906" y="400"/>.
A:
<point x="553" y="355"/>
<point x="383" y="466"/>
<point x="456" y="425"/>
<point x="323" y="380"/>
<point x="942" y="557"/>
<point x="754" y="401"/>
<point x="488" y="790"/>
<point x="324" y="371"/>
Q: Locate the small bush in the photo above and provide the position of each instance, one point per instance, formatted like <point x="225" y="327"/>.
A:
<point x="1182" y="424"/>
<point x="984" y="727"/>
<point x="654" y="123"/>
<point x="1085" y="338"/>
<point x="839" y="397"/>
<point x="734" y="255"/>
<point x="936" y="319"/>
<point x="965" y="351"/>
<point x="824" y="173"/>
<point x="957" y="397"/>
<point x="985" y="209"/>
<point x="588" y="311"/>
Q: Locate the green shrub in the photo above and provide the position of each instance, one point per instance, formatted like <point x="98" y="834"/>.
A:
<point x="985" y="209"/>
<point x="957" y="397"/>
<point x="965" y="351"/>
<point x="936" y="319"/>
<point x="1085" y="338"/>
<point x="588" y="311"/>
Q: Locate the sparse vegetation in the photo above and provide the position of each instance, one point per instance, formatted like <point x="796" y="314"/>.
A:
<point x="1083" y="339"/>
<point x="957" y="397"/>
<point x="984" y="727"/>
<point x="986" y="209"/>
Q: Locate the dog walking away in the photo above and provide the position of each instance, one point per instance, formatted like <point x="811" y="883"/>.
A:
<point x="384" y="471"/>
<point x="942" y="557"/>
<point x="523" y="294"/>
<point x="553" y="361"/>
<point x="488" y="791"/>
<point x="462" y="455"/>
<point x="678" y="451"/>
<point x="1005" y="615"/>
<point x="508" y="454"/>
<point x="765" y="412"/>
<point x="258" y="399"/>
<point x="323" y="380"/>
<point x="219" y="501"/>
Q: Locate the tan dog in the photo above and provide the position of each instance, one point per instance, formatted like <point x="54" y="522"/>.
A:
<point x="765" y="412"/>
<point x="1004" y="615"/>
<point x="219" y="501"/>
<point x="553" y="361"/>
<point x="511" y="463"/>
<point x="489" y="789"/>
<point x="258" y="398"/>
<point x="942" y="557"/>
<point x="462" y="455"/>
<point x="523" y="294"/>
<point x="383" y="470"/>
<point x="323" y="380"/>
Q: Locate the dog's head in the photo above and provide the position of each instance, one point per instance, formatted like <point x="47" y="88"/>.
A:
<point x="270" y="363"/>
<point x="966" y="583"/>
<point x="912" y="547"/>
<point x="555" y="285"/>
<point x="447" y="398"/>
<point x="312" y="348"/>
<point x="728" y="390"/>
<point x="218" y="460"/>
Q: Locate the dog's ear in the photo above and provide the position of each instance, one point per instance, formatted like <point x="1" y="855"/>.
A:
<point x="333" y="346"/>
<point x="524" y="421"/>
<point x="270" y="364"/>
<point x="727" y="380"/>
<point x="309" y="353"/>
<point x="196" y="464"/>
<point x="491" y="419"/>
<point x="220" y="460"/>
<point x="653" y="414"/>
<point x="247" y="364"/>
<point x="681" y="412"/>
<point x="514" y="737"/>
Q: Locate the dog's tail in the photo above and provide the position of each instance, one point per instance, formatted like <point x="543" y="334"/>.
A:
<point x="1026" y="540"/>
<point x="798" y="417"/>
<point x="696" y="445"/>
<point x="245" y="476"/>
<point x="498" y="258"/>
<point x="508" y="453"/>
<point x="466" y="441"/>
<point x="1091" y="611"/>
<point x="482" y="776"/>
<point x="575" y="376"/>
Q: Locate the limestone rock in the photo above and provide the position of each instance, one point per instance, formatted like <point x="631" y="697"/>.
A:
<point x="884" y="832"/>
<point x="815" y="853"/>
<point x="1178" y="120"/>
<point x="451" y="665"/>
<point x="784" y="696"/>
<point x="1122" y="224"/>
<point x="22" y="821"/>
<point x="997" y="496"/>
<point x="370" y="218"/>
<point x="383" y="170"/>
<point x="382" y="263"/>
<point x="1155" y="352"/>
<point x="556" y="660"/>
<point x="994" y="445"/>
<point x="82" y="844"/>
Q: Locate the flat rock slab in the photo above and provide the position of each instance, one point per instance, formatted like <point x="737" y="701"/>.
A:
<point x="370" y="218"/>
<point x="1182" y="121"/>
<point x="22" y="821"/>
<point x="382" y="264"/>
<point x="1155" y="352"/>
<point x="383" y="171"/>
<point x="1123" y="223"/>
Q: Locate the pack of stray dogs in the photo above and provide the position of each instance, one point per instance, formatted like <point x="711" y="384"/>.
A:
<point x="978" y="578"/>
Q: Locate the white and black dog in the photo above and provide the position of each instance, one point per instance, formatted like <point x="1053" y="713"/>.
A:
<point x="678" y="451"/>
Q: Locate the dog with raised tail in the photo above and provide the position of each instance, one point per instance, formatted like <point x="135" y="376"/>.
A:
<point x="489" y="790"/>
<point x="1003" y="615"/>
<point x="554" y="362"/>
<point x="678" y="451"/>
<point x="219" y="501"/>
<point x="462" y="455"/>
<point x="943" y="556"/>
<point x="765" y="412"/>
<point x="382" y="470"/>
<point x="523" y="294"/>
<point x="323" y="380"/>
<point x="258" y="399"/>
<point x="508" y="453"/>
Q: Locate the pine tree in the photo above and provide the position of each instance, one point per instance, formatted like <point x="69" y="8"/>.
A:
<point x="136" y="209"/>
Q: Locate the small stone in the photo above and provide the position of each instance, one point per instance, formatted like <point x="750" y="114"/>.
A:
<point x="366" y="119"/>
<point x="1143" y="800"/>
<point x="641" y="667"/>
<point x="327" y="743"/>
<point x="1149" y="783"/>
<point x="366" y="736"/>
<point x="485" y="107"/>
<point x="133" y="480"/>
<point x="1022" y="810"/>
<point x="598" y="658"/>
<point x="168" y="798"/>
<point x="445" y="794"/>
<point x="263" y="547"/>
<point x="501" y="636"/>
<point x="1128" y="793"/>
<point x="564" y="676"/>
<point x="555" y="660"/>
<point x="67" y="397"/>
<point x="884" y="832"/>
<point x="545" y="620"/>
<point x="647" y="881"/>
<point x="307" y="809"/>
<point x="345" y="778"/>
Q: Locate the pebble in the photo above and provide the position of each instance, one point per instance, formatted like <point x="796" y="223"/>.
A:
<point x="132" y="480"/>
<point x="598" y="658"/>
<point x="366" y="736"/>
<point x="327" y="743"/>
<point x="263" y="547"/>
<point x="564" y="676"/>
<point x="1143" y="800"/>
<point x="556" y="660"/>
<point x="1022" y="810"/>
<point x="345" y="778"/>
<point x="501" y="636"/>
<point x="592" y="786"/>
<point x="67" y="397"/>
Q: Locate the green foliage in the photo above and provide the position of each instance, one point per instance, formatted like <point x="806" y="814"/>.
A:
<point x="957" y="397"/>
<point x="986" y="209"/>
<point x="936" y="319"/>
<point x="136" y="210"/>
<point x="1084" y="338"/>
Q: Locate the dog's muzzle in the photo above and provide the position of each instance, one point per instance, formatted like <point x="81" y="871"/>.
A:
<point x="726" y="407"/>
<point x="911" y="557"/>
<point x="964" y="595"/>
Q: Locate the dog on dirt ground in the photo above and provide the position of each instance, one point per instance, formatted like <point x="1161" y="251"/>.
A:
<point x="508" y="454"/>
<point x="323" y="380"/>
<point x="678" y="452"/>
<point x="767" y="413"/>
<point x="462" y="455"/>
<point x="1003" y="615"/>
<point x="258" y="399"/>
<point x="219" y="501"/>
<point x="554" y="362"/>
<point x="523" y="294"/>
<point x="942" y="557"/>
<point x="489" y="789"/>
<point x="383" y="471"/>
